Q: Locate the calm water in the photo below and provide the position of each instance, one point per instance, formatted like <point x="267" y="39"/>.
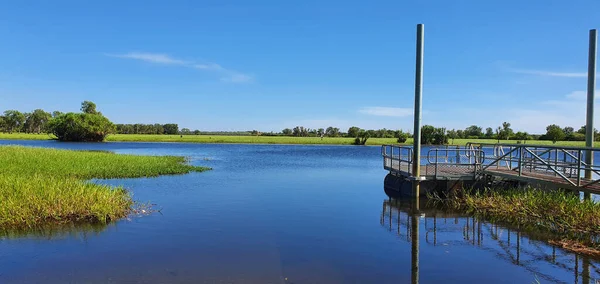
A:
<point x="280" y="214"/>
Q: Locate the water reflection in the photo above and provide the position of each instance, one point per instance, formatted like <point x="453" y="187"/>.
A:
<point x="427" y="227"/>
<point x="81" y="231"/>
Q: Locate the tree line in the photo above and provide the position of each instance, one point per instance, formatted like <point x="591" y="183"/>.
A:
<point x="138" y="128"/>
<point x="88" y="125"/>
<point x="91" y="125"/>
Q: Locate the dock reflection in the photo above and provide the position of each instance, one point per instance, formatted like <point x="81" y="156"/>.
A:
<point x="424" y="225"/>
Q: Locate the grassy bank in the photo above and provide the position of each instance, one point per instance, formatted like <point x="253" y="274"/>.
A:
<point x="565" y="219"/>
<point x="40" y="186"/>
<point x="270" y="139"/>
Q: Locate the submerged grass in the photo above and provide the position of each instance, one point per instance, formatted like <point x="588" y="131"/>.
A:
<point x="40" y="186"/>
<point x="565" y="218"/>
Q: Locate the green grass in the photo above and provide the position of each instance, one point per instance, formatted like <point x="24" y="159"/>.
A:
<point x="562" y="216"/>
<point x="273" y="139"/>
<point x="40" y="186"/>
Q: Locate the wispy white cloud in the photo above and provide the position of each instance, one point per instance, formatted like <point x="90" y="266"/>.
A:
<point x="212" y="66"/>
<point x="550" y="73"/>
<point x="386" y="111"/>
<point x="151" y="57"/>
<point x="237" y="78"/>
<point x="226" y="75"/>
<point x="581" y="95"/>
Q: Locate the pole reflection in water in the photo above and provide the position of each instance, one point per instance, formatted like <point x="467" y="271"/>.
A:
<point x="545" y="262"/>
<point x="414" y="242"/>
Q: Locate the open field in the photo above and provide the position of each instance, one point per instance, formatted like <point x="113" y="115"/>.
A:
<point x="40" y="186"/>
<point x="272" y="139"/>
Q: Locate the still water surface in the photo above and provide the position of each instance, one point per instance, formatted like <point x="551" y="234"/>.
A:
<point x="280" y="214"/>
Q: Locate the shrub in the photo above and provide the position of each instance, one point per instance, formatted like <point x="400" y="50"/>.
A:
<point x="83" y="127"/>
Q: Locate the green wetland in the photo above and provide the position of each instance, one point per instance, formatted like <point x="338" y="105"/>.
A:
<point x="264" y="214"/>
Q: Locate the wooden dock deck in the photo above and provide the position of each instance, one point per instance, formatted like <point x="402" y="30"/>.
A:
<point x="547" y="166"/>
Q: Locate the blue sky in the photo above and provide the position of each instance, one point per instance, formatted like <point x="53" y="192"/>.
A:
<point x="267" y="65"/>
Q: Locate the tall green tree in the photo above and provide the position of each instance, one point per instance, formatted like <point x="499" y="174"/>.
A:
<point x="554" y="133"/>
<point x="88" y="107"/>
<point x="353" y="131"/>
<point x="81" y="127"/>
<point x="332" y="131"/>
<point x="473" y="131"/>
<point x="362" y="137"/>
<point x="505" y="131"/>
<point x="489" y="133"/>
<point x="171" y="128"/>
<point x="452" y="135"/>
<point x="286" y="132"/>
<point x="36" y="121"/>
<point x="13" y="120"/>
<point x="433" y="136"/>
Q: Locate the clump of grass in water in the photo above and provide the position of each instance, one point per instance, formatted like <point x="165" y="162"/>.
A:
<point x="568" y="220"/>
<point x="40" y="186"/>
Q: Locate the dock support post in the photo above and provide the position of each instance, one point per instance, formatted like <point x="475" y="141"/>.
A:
<point x="414" y="248"/>
<point x="417" y="127"/>
<point x="589" y="125"/>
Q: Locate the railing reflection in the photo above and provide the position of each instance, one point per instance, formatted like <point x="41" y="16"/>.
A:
<point x="528" y="250"/>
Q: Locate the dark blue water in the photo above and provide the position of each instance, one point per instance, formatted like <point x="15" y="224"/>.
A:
<point x="280" y="214"/>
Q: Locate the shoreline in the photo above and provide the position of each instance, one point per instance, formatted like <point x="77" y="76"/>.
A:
<point x="278" y="140"/>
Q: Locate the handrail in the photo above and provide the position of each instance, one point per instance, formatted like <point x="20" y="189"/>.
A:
<point x="535" y="146"/>
<point x="479" y="159"/>
<point x="562" y="165"/>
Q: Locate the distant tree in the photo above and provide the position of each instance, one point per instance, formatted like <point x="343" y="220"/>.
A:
<point x="158" y="129"/>
<point x="433" y="136"/>
<point x="568" y="130"/>
<point x="37" y="121"/>
<point x="362" y="137"/>
<point x="452" y="135"/>
<point x="332" y="131"/>
<point x="583" y="131"/>
<point x="196" y="132"/>
<point x="286" y="132"/>
<point x="88" y="107"/>
<point x="402" y="137"/>
<point x="300" y="131"/>
<point x="522" y="136"/>
<point x="473" y="130"/>
<point x="321" y="132"/>
<point x="489" y="133"/>
<point x="2" y="123"/>
<point x="56" y="113"/>
<point x="554" y="133"/>
<point x="186" y="131"/>
<point x="505" y="131"/>
<point x="89" y="127"/>
<point x="460" y="134"/>
<point x="353" y="131"/>
<point x="499" y="133"/>
<point x="13" y="120"/>
<point x="171" y="128"/>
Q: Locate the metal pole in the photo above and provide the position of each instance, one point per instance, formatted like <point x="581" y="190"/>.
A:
<point x="417" y="119"/>
<point x="414" y="248"/>
<point x="589" y="125"/>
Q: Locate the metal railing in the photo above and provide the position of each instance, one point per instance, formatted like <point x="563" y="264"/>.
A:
<point x="557" y="164"/>
<point x="397" y="158"/>
<point x="454" y="162"/>
<point x="437" y="162"/>
<point x="566" y="164"/>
